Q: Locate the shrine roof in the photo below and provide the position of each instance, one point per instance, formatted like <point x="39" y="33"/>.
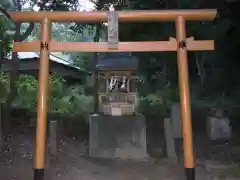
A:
<point x="116" y="61"/>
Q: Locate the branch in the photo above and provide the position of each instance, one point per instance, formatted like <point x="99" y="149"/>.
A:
<point x="14" y="3"/>
<point x="2" y="10"/>
<point x="27" y="32"/>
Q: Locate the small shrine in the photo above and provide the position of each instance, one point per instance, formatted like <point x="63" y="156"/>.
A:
<point x="117" y="131"/>
<point x="117" y="83"/>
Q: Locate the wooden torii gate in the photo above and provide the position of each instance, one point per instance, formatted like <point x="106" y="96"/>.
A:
<point x="181" y="45"/>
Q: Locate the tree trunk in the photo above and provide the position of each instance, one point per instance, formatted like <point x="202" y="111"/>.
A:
<point x="1" y="131"/>
<point x="95" y="61"/>
<point x="200" y="68"/>
<point x="14" y="74"/>
<point x="13" y="87"/>
<point x="1" y="50"/>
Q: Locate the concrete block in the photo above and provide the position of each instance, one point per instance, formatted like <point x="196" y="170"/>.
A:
<point x="176" y="121"/>
<point x="53" y="138"/>
<point x="170" y="147"/>
<point x="122" y="137"/>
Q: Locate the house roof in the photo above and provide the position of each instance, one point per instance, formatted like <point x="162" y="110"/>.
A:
<point x="29" y="64"/>
<point x="29" y="55"/>
<point x="52" y="57"/>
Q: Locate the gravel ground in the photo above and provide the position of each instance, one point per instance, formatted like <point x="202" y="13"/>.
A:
<point x="71" y="164"/>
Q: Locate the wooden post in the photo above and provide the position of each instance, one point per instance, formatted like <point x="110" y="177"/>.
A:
<point x="189" y="163"/>
<point x="1" y="130"/>
<point x="42" y="100"/>
<point x="53" y="138"/>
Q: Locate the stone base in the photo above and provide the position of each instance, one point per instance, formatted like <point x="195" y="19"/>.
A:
<point x="122" y="137"/>
<point x="218" y="128"/>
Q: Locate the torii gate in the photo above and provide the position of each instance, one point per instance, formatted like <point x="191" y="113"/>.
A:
<point x="181" y="45"/>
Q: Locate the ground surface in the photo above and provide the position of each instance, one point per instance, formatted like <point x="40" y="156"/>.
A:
<point x="72" y="164"/>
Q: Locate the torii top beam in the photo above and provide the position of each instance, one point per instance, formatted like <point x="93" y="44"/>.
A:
<point x="124" y="16"/>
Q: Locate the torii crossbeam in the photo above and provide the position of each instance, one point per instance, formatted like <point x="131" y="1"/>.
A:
<point x="181" y="45"/>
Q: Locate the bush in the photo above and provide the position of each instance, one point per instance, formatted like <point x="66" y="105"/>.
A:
<point x="159" y="103"/>
<point x="72" y="100"/>
<point x="151" y="105"/>
<point x="62" y="99"/>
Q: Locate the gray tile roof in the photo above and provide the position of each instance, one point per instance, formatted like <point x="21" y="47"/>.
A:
<point x="114" y="61"/>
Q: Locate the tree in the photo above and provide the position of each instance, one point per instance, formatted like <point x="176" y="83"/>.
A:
<point x="18" y="37"/>
<point x="160" y="69"/>
<point x="216" y="66"/>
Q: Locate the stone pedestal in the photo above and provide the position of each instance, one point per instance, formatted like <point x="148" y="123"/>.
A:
<point x="170" y="146"/>
<point x="53" y="138"/>
<point x="218" y="128"/>
<point x="122" y="137"/>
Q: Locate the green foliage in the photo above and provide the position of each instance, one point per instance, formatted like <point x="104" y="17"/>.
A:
<point x="158" y="104"/>
<point x="68" y="100"/>
<point x="5" y="25"/>
<point x="225" y="56"/>
<point x="68" y="32"/>
<point x="27" y="92"/>
<point x="63" y="99"/>
<point x="63" y="5"/>
<point x="72" y="101"/>
<point x="4" y="86"/>
<point x="151" y="105"/>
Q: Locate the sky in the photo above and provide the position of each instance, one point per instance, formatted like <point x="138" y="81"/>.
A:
<point x="85" y="5"/>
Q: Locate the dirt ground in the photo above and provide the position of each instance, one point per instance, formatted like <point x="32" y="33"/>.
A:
<point x="72" y="164"/>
